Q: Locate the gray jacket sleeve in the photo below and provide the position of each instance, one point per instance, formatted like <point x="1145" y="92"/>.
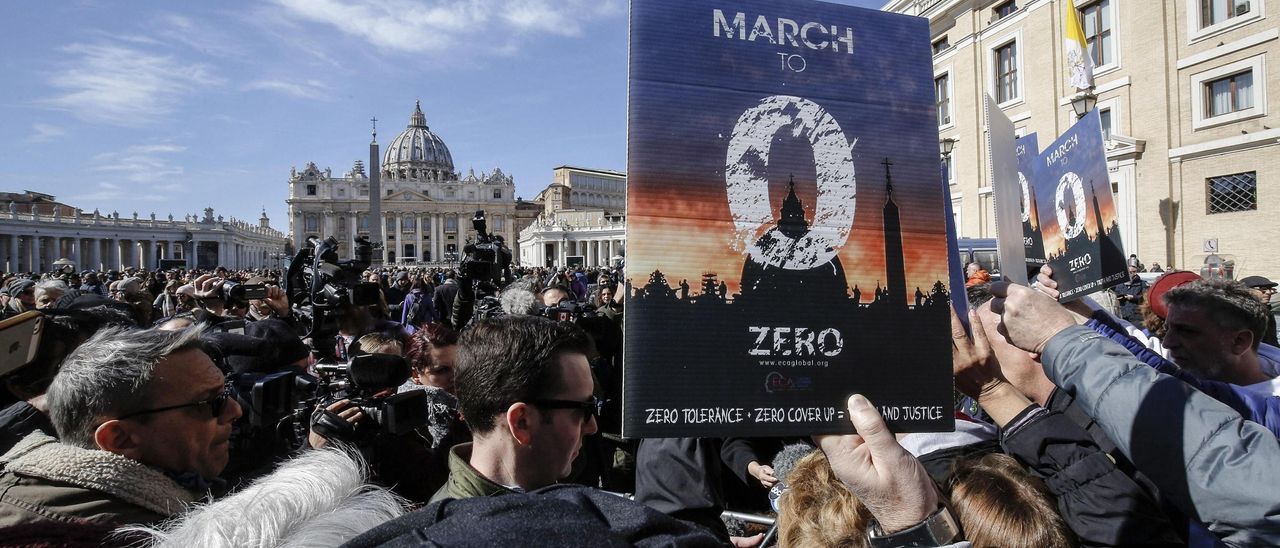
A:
<point x="1212" y="464"/>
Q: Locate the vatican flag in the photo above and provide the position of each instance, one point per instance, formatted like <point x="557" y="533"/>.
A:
<point x="1079" y="63"/>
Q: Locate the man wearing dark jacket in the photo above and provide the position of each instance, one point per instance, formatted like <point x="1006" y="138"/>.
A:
<point x="1129" y="295"/>
<point x="443" y="298"/>
<point x="525" y="387"/>
<point x="143" y="420"/>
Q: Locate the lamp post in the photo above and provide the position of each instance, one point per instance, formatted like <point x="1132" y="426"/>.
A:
<point x="945" y="146"/>
<point x="1084" y="102"/>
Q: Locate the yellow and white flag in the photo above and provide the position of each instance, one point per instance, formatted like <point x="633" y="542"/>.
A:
<point x="1079" y="62"/>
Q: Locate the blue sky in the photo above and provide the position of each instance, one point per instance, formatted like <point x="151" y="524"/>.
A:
<point x="172" y="107"/>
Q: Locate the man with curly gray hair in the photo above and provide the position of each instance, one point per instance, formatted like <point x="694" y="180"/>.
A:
<point x="143" y="420"/>
<point x="1214" y="328"/>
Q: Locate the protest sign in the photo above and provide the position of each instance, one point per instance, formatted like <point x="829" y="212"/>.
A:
<point x="1028" y="151"/>
<point x="1002" y="171"/>
<point x="786" y="246"/>
<point x="1077" y="212"/>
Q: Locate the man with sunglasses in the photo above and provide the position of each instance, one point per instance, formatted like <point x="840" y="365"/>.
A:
<point x="143" y="420"/>
<point x="525" y="387"/>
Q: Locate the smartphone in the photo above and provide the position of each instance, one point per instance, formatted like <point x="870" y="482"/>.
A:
<point x="20" y="340"/>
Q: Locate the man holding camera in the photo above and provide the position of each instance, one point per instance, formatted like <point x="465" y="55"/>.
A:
<point x="525" y="388"/>
<point x="144" y="422"/>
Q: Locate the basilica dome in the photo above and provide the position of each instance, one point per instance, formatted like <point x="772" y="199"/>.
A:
<point x="417" y="153"/>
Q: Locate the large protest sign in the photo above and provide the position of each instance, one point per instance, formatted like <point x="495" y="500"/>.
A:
<point x="785" y="239"/>
<point x="1077" y="212"/>
<point x="1002" y="171"/>
<point x="1028" y="151"/>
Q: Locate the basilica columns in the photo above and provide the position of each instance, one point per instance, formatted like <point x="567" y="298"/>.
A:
<point x="417" y="239"/>
<point x="437" y="237"/>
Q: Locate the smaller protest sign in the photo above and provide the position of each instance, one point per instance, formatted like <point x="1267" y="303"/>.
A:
<point x="1028" y="151"/>
<point x="1077" y="212"/>
<point x="1002" y="163"/>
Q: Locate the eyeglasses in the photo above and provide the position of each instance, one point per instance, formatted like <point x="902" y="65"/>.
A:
<point x="589" y="408"/>
<point x="216" y="405"/>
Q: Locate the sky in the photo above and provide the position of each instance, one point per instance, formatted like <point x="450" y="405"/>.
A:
<point x="171" y="107"/>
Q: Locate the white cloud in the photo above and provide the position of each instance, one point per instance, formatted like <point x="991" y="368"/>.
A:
<point x="494" y="26"/>
<point x="45" y="133"/>
<point x="202" y="37"/>
<point x="122" y="85"/>
<point x="311" y="89"/>
<point x="104" y="192"/>
<point x="140" y="163"/>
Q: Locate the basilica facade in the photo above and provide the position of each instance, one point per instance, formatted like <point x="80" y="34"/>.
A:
<point x="426" y="205"/>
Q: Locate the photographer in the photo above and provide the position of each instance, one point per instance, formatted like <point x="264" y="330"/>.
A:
<point x="486" y="267"/>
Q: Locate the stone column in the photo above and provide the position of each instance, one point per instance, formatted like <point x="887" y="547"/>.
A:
<point x="386" y="246"/>
<point x="189" y="252"/>
<point x="37" y="262"/>
<point x="399" y="236"/>
<point x="128" y="254"/>
<point x="14" y="265"/>
<point x="148" y="254"/>
<point x="75" y="251"/>
<point x="437" y="234"/>
<point x="353" y="230"/>
<point x="95" y="254"/>
<point x="417" y="237"/>
<point x="299" y="222"/>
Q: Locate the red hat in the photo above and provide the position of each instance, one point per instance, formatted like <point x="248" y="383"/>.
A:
<point x="1162" y="285"/>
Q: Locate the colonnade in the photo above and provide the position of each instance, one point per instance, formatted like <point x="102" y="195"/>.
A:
<point x="594" y="251"/>
<point x="37" y="252"/>
<point x="402" y="229"/>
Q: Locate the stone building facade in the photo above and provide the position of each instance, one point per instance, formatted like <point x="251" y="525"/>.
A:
<point x="427" y="206"/>
<point x="584" y="214"/>
<point x="1184" y="91"/>
<point x="37" y="230"/>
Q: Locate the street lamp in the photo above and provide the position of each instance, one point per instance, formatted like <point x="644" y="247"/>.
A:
<point x="1083" y="103"/>
<point x="946" y="146"/>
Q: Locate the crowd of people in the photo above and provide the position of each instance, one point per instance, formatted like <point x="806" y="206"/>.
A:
<point x="186" y="407"/>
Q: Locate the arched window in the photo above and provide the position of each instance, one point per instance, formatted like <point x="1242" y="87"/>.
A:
<point x="313" y="223"/>
<point x="342" y="225"/>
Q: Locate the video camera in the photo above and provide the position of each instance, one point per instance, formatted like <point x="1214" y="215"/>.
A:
<point x="567" y="310"/>
<point x="362" y="382"/>
<point x="320" y="287"/>
<point x="488" y="259"/>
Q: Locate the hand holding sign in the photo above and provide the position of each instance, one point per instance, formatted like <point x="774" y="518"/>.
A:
<point x="884" y="476"/>
<point x="1028" y="318"/>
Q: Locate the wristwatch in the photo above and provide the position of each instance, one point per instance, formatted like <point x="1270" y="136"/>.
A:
<point x="936" y="530"/>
